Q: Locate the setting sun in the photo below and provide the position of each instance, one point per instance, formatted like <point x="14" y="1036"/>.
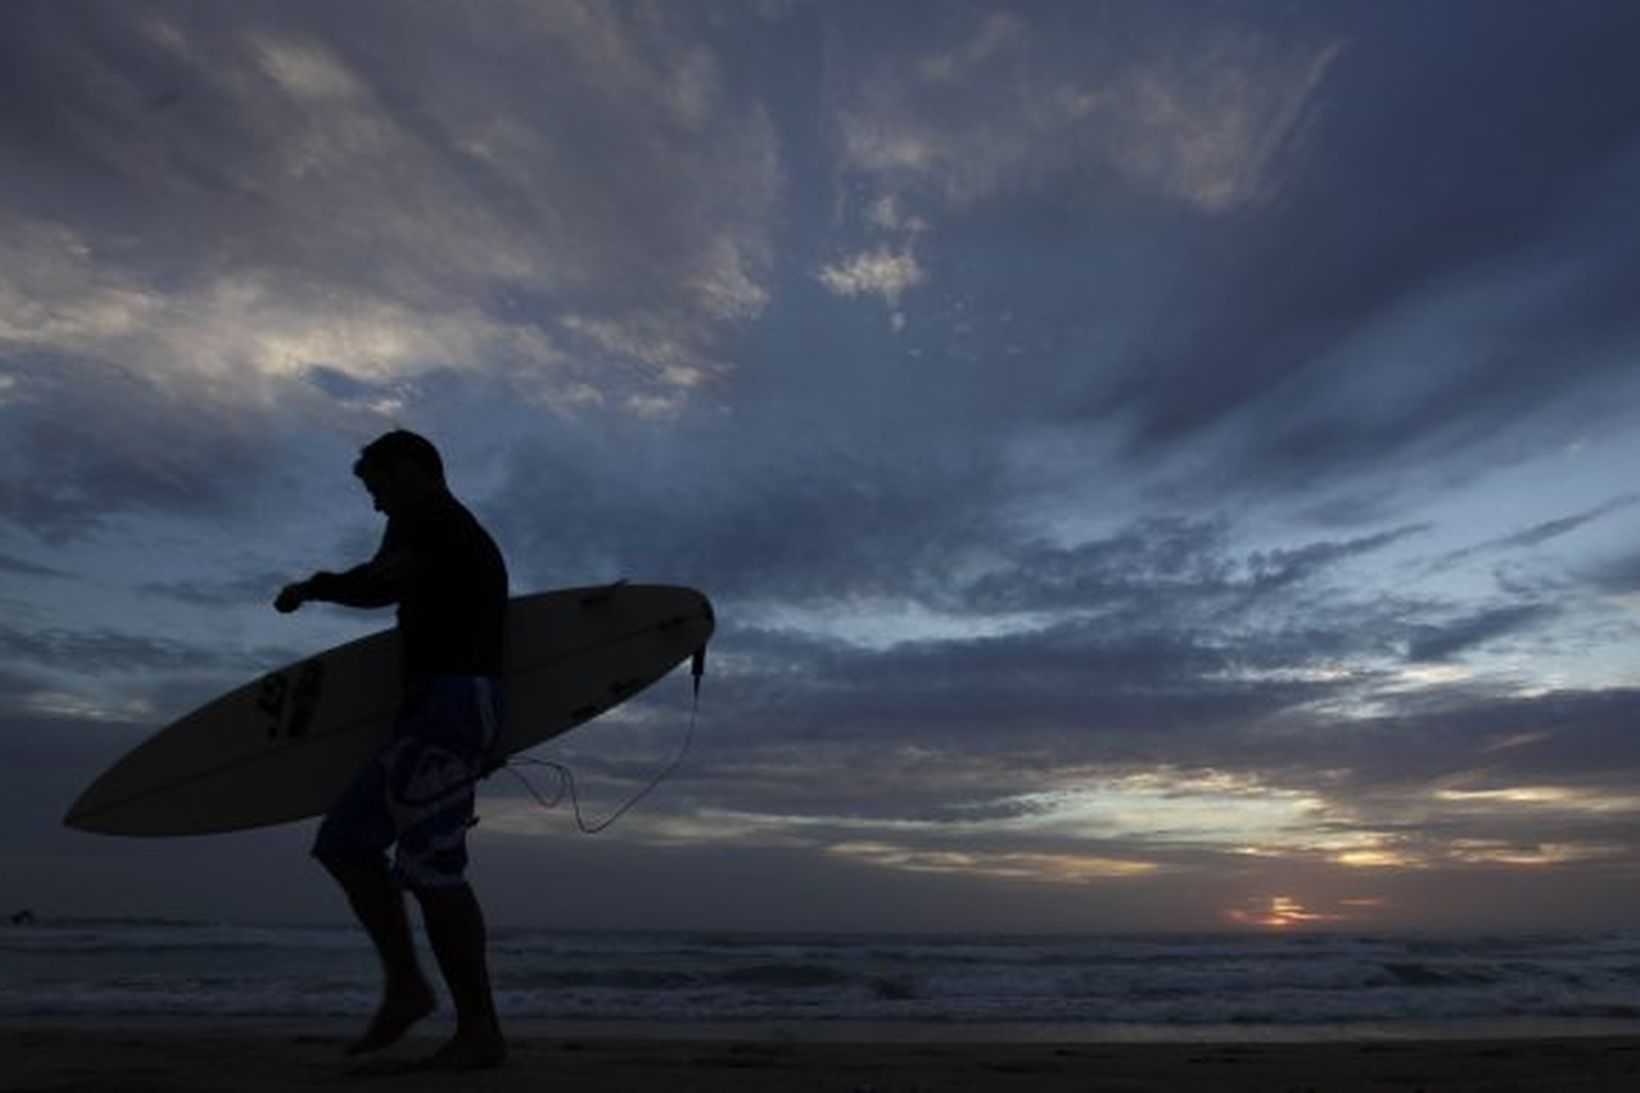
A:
<point x="1278" y="912"/>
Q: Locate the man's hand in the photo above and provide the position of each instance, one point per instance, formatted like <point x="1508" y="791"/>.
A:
<point x="291" y="597"/>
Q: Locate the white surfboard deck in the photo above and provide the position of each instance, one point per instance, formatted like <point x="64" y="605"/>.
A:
<point x="285" y="746"/>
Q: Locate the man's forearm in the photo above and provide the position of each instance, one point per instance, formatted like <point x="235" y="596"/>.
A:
<point x="362" y="586"/>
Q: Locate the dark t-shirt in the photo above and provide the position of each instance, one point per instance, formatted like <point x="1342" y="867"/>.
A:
<point x="448" y="578"/>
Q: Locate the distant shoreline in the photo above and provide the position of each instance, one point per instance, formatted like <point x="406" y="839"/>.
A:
<point x="877" y="1032"/>
<point x="86" y="1059"/>
<point x="830" y="989"/>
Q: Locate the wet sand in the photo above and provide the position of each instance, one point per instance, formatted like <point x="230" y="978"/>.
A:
<point x="109" y="1060"/>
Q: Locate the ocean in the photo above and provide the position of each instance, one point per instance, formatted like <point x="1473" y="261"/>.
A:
<point x="1111" y="987"/>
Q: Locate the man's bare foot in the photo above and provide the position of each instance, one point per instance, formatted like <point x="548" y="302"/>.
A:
<point x="468" y="1051"/>
<point x="397" y="1013"/>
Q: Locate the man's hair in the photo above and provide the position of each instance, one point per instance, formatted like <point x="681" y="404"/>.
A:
<point x="400" y="447"/>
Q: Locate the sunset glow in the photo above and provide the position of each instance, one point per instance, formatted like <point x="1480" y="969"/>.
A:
<point x="1279" y="913"/>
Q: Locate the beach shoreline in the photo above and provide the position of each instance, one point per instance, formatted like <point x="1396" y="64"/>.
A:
<point x="251" y="1057"/>
<point x="833" y="1030"/>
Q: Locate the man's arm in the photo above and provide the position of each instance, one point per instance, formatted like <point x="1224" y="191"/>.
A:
<point x="377" y="583"/>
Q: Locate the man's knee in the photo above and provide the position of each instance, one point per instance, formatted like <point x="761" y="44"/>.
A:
<point x="349" y="869"/>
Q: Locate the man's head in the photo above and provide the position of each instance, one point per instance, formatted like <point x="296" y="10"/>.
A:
<point x="400" y="468"/>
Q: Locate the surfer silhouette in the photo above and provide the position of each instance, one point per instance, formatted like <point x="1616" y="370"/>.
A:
<point x="449" y="582"/>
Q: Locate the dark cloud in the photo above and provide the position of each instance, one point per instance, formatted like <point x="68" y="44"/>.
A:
<point x="345" y="388"/>
<point x="561" y="198"/>
<point x="100" y="652"/>
<point x="572" y="149"/>
<point x="23" y="568"/>
<point x="1462" y="153"/>
<point x="1162" y="642"/>
<point x="1162" y="561"/>
<point x="1540" y="533"/>
<point x="96" y="438"/>
<point x="1620" y="575"/>
<point x="1437" y="643"/>
<point x="1553" y="529"/>
<point x="1572" y="737"/>
<point x="779" y="510"/>
<point x="257" y="588"/>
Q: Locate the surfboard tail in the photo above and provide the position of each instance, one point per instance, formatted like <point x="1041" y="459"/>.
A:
<point x="88" y="812"/>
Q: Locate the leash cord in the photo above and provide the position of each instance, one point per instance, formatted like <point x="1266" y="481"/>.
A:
<point x="566" y="778"/>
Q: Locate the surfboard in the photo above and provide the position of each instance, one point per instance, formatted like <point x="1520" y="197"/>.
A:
<point x="284" y="746"/>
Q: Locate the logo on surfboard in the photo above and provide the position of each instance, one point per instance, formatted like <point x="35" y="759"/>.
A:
<point x="289" y="699"/>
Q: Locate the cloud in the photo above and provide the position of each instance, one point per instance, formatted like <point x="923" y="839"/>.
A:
<point x="777" y="507"/>
<point x="1008" y="865"/>
<point x="1545" y="531"/>
<point x="1439" y="643"/>
<point x="100" y="438"/>
<point x="1456" y="272"/>
<point x="1620" y="576"/>
<point x="256" y="588"/>
<point x="1197" y="111"/>
<point x="998" y="31"/>
<point x="1539" y="534"/>
<point x="24" y="568"/>
<point x="1211" y="133"/>
<point x="239" y="333"/>
<point x="567" y="203"/>
<point x="104" y="652"/>
<point x="1438" y="790"/>
<point x="878" y="272"/>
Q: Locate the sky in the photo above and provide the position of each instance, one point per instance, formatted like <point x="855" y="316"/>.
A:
<point x="1158" y="466"/>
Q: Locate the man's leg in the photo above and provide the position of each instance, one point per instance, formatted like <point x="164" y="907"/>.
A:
<point x="455" y="929"/>
<point x="379" y="906"/>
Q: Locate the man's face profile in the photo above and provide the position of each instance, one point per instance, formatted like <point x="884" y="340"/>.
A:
<point x="383" y="485"/>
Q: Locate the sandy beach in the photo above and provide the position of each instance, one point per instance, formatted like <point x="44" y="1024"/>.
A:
<point x="63" y="1059"/>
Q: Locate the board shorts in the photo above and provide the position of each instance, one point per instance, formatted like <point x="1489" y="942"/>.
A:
<point x="416" y="793"/>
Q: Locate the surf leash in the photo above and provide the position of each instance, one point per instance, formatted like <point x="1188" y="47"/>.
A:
<point x="566" y="776"/>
